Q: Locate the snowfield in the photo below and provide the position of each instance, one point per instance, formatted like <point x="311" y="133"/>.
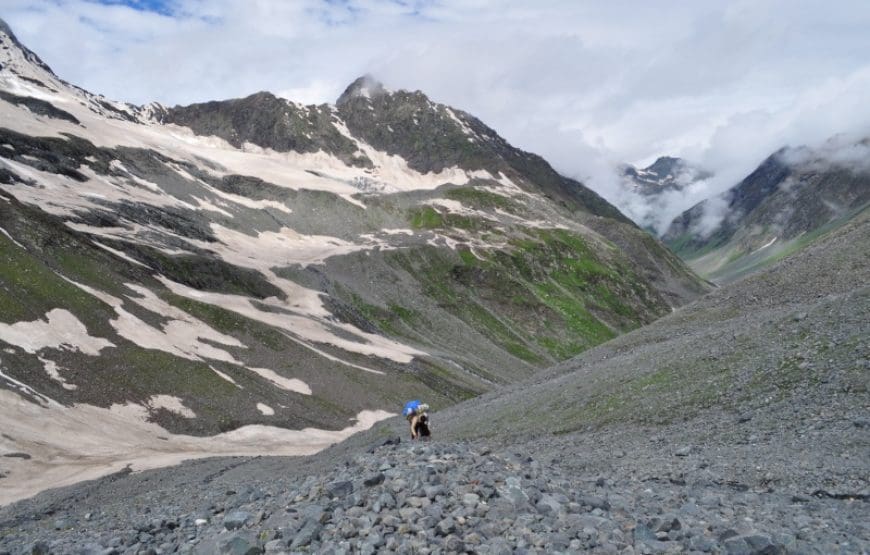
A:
<point x="83" y="442"/>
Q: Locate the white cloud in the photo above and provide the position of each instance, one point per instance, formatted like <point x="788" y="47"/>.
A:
<point x="586" y="84"/>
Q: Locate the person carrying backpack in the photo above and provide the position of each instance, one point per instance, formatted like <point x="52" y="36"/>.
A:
<point x="418" y="417"/>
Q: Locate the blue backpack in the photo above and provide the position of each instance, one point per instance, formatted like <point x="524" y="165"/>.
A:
<point x="410" y="408"/>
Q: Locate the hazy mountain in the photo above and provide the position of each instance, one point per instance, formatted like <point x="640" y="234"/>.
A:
<point x="665" y="174"/>
<point x="200" y="269"/>
<point x="792" y="197"/>
<point x="649" y="195"/>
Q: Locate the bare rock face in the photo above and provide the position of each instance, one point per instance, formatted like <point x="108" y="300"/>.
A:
<point x="270" y="122"/>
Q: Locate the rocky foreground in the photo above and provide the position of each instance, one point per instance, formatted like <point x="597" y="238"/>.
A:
<point x="452" y="497"/>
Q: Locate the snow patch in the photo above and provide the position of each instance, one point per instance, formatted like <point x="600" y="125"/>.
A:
<point x="84" y="442"/>
<point x="270" y="249"/>
<point x="6" y="233"/>
<point x="105" y="297"/>
<point x="26" y="390"/>
<point x="120" y="254"/>
<point x="211" y="207"/>
<point x="182" y="336"/>
<point x="225" y="376"/>
<point x="60" y="329"/>
<point x="170" y="403"/>
<point x="289" y="384"/>
<point x="769" y="243"/>
<point x="331" y="357"/>
<point x="465" y="129"/>
<point x="51" y="368"/>
<point x="249" y="203"/>
<point x="303" y="316"/>
<point x="265" y="409"/>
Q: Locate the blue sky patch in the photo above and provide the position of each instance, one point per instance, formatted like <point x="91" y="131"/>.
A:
<point x="163" y="7"/>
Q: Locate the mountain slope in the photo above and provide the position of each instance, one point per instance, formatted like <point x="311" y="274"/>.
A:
<point x="737" y="424"/>
<point x="792" y="197"/>
<point x="254" y="266"/>
<point x="788" y="337"/>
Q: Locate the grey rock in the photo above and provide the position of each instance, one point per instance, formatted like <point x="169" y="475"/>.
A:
<point x="454" y="544"/>
<point x="236" y="519"/>
<point x="434" y="491"/>
<point x="410" y="514"/>
<point x="737" y="545"/>
<point x="703" y="544"/>
<point x="347" y="530"/>
<point x="309" y="532"/>
<point x="240" y="545"/>
<point x="446" y="527"/>
<point x="315" y="512"/>
<point x="374" y="480"/>
<point x="594" y="502"/>
<point x="581" y="521"/>
<point x="666" y="524"/>
<point x="340" y="488"/>
<point x="643" y="534"/>
<point x="548" y="505"/>
<point x="386" y="501"/>
<point x="752" y="544"/>
<point x="727" y="534"/>
<point x="762" y="544"/>
<point x="513" y="491"/>
<point x="862" y="423"/>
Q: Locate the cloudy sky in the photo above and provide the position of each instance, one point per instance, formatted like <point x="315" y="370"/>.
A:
<point x="587" y="84"/>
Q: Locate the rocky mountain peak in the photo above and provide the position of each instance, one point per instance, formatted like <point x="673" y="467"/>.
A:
<point x="665" y="165"/>
<point x="5" y="29"/>
<point x="666" y="173"/>
<point x="14" y="54"/>
<point x="365" y="86"/>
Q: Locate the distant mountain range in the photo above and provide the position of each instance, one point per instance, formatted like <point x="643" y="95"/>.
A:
<point x="795" y="195"/>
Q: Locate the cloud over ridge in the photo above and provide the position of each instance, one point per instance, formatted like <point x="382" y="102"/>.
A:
<point x="586" y="85"/>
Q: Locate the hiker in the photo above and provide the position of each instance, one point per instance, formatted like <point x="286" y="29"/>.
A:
<point x="418" y="417"/>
